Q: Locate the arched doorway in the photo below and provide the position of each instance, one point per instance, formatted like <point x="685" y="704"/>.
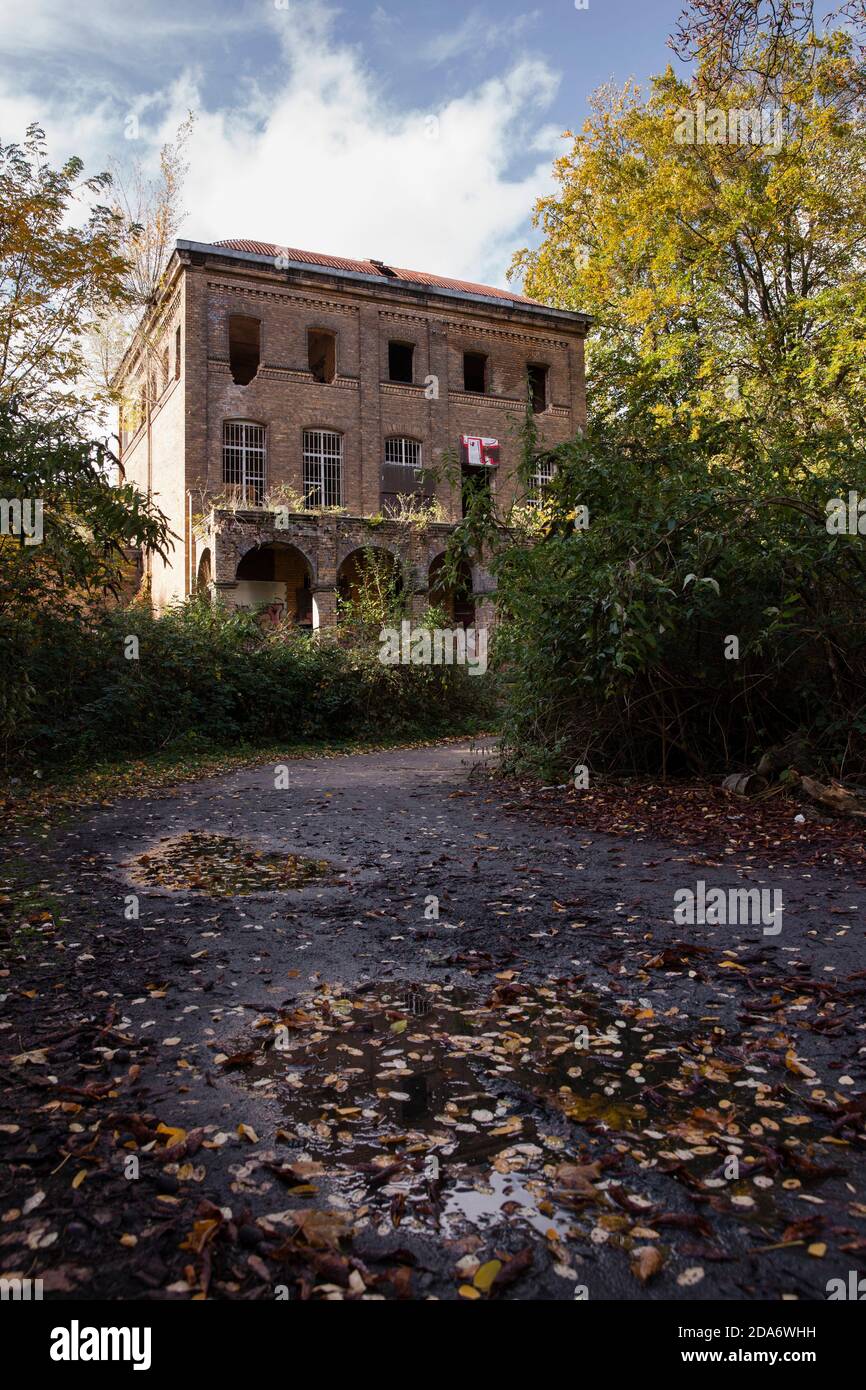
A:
<point x="277" y="579"/>
<point x="204" y="575"/>
<point x="455" y="597"/>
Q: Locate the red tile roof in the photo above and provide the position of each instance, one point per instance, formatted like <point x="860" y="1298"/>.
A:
<point x="417" y="277"/>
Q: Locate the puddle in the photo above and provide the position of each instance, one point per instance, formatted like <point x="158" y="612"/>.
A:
<point x="223" y="867"/>
<point x="526" y="1104"/>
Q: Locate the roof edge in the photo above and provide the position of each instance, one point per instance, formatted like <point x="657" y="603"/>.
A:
<point x="358" y="277"/>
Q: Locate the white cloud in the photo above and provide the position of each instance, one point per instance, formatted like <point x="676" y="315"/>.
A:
<point x="324" y="161"/>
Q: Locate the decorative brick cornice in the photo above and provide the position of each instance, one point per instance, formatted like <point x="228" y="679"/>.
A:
<point x="220" y="366"/>
<point x="490" y="402"/>
<point x="391" y="388"/>
<point x="504" y="403"/>
<point x="276" y="371"/>
<point x="171" y="310"/>
<point x="309" y="301"/>
<point x="271" y="372"/>
<point x="441" y="324"/>
<point x="481" y="331"/>
<point x="403" y="318"/>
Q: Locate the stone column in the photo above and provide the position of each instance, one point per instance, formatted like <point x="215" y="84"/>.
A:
<point x="324" y="607"/>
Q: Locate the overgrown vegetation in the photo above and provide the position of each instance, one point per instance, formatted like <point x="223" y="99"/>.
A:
<point x="702" y="616"/>
<point x="201" y="676"/>
<point x="80" y="683"/>
<point x="706" y="613"/>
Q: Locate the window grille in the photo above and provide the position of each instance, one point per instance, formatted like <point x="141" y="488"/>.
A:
<point x="402" y="473"/>
<point x="323" y="468"/>
<point x="402" y="453"/>
<point x="244" y="460"/>
<point x="542" y="477"/>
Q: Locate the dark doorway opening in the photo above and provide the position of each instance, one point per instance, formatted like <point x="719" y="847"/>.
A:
<point x="322" y="354"/>
<point x="475" y="372"/>
<point x="475" y="481"/>
<point x="244" y="348"/>
<point x="400" y="362"/>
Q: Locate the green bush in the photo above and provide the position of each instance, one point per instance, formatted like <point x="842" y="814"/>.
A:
<point x="615" y="639"/>
<point x="206" y="676"/>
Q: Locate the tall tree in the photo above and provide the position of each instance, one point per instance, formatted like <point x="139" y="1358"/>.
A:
<point x="149" y="208"/>
<point x="721" y="249"/>
<point x="722" y="35"/>
<point x="66" y="532"/>
<point x="60" y="273"/>
<point x="149" y="213"/>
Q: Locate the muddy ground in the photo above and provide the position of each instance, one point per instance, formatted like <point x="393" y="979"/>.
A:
<point x="381" y="1029"/>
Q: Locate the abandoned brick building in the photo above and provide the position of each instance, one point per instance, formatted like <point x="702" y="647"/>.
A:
<point x="281" y="406"/>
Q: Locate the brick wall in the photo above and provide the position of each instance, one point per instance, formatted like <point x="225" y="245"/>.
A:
<point x="186" y="428"/>
<point x="155" y="443"/>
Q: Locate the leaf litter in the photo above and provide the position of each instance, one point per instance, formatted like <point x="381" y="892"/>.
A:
<point x="537" y="1108"/>
<point x="222" y="866"/>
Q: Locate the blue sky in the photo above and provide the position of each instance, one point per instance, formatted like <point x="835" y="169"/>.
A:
<point x="416" y="133"/>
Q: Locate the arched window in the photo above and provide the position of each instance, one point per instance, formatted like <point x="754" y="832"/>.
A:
<point x="402" y="472"/>
<point x="323" y="469"/>
<point x="244" y="460"/>
<point x="402" y="453"/>
<point x="542" y="476"/>
<point x="204" y="573"/>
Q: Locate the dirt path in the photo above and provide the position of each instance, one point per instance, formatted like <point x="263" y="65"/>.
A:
<point x="330" y="1089"/>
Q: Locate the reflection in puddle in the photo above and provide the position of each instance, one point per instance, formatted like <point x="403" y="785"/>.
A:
<point x="426" y="1103"/>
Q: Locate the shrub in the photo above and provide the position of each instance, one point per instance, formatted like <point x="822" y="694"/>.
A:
<point x="705" y="614"/>
<point x="205" y="675"/>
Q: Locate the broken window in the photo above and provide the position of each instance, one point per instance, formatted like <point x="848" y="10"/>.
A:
<point x="244" y="460"/>
<point x="244" y="348"/>
<point x="177" y="353"/>
<point x="400" y="362"/>
<point x="322" y="354"/>
<point x="474" y="372"/>
<point x="537" y="386"/>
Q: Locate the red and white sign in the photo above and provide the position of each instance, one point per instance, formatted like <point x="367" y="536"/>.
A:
<point x="479" y="452"/>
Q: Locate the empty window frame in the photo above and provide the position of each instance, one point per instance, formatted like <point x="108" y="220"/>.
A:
<point x="475" y="372"/>
<point x="244" y="348"/>
<point x="323" y="469"/>
<point x="322" y="354"/>
<point x="475" y="481"/>
<point x="401" y="362"/>
<point x="537" y="374"/>
<point x="177" y="353"/>
<point x="244" y="460"/>
<point x="166" y="374"/>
